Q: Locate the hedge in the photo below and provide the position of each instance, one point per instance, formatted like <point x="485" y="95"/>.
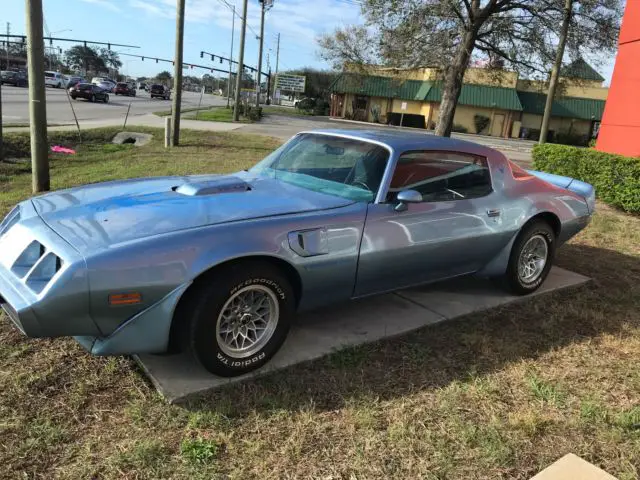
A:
<point x="616" y="178"/>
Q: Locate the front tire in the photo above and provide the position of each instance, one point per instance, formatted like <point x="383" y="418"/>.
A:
<point x="531" y="258"/>
<point x="93" y="98"/>
<point x="239" y="321"/>
<point x="106" y="99"/>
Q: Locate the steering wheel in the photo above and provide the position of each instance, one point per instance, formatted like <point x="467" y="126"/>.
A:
<point x="358" y="182"/>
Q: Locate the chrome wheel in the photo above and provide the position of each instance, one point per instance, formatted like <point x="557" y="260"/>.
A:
<point x="247" y="321"/>
<point x="533" y="259"/>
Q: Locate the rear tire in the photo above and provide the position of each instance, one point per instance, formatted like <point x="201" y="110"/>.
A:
<point x="531" y="258"/>
<point x="93" y="98"/>
<point x="106" y="99"/>
<point x="237" y="322"/>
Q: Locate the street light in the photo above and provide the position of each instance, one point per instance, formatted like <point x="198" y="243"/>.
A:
<point x="51" y="34"/>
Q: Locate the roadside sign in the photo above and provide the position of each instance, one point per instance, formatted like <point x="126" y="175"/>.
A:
<point x="403" y="106"/>
<point x="290" y="83"/>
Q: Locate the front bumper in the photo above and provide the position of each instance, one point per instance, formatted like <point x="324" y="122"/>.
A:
<point x="40" y="301"/>
<point x="18" y="309"/>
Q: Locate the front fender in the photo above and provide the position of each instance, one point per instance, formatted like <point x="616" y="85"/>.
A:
<point x="146" y="332"/>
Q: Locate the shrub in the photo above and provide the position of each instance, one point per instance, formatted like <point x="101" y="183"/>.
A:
<point x="459" y="128"/>
<point x="616" y="178"/>
<point x="321" y="107"/>
<point x="481" y="122"/>
<point x="570" y="138"/>
<point x="249" y="111"/>
<point x="375" y="113"/>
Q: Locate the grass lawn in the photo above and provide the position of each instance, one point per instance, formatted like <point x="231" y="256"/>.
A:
<point x="217" y="114"/>
<point x="500" y="394"/>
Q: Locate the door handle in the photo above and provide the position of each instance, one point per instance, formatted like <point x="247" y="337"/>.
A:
<point x="494" y="212"/>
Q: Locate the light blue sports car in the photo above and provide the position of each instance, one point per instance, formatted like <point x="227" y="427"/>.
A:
<point x="220" y="264"/>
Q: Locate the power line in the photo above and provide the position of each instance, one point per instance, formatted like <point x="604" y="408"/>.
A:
<point x="230" y="7"/>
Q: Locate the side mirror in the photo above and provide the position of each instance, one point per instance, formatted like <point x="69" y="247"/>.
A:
<point x="407" y="196"/>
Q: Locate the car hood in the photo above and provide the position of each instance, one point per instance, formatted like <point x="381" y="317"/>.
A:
<point x="99" y="216"/>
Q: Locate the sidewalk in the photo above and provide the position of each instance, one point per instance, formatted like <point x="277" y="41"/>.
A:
<point x="146" y="120"/>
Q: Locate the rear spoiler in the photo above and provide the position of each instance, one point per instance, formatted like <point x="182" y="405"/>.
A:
<point x="583" y="189"/>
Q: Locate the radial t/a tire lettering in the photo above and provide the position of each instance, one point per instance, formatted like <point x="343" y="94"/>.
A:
<point x="531" y="258"/>
<point x="238" y="318"/>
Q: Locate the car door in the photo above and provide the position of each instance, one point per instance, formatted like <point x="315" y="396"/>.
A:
<point x="454" y="230"/>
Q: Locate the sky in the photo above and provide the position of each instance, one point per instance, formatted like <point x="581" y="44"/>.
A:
<point x="150" y="24"/>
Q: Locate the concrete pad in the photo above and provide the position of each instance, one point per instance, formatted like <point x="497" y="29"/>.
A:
<point x="467" y="295"/>
<point x="572" y="467"/>
<point x="321" y="332"/>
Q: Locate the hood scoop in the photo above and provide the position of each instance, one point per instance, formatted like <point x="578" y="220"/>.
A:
<point x="213" y="187"/>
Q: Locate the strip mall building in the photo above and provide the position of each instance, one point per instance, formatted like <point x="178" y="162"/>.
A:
<point x="501" y="103"/>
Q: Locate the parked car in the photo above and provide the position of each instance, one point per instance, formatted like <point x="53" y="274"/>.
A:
<point x="304" y="103"/>
<point x="74" y="80"/>
<point x="99" y="80"/>
<point x="107" y="86"/>
<point x="17" y="79"/>
<point x="219" y="264"/>
<point x="122" y="88"/>
<point x="160" y="91"/>
<point x="54" y="79"/>
<point x="89" y="91"/>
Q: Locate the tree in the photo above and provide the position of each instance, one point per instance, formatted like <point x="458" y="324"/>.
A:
<point x="317" y="81"/>
<point x="164" y="77"/>
<point x="446" y="34"/>
<point x="86" y="59"/>
<point x="110" y="58"/>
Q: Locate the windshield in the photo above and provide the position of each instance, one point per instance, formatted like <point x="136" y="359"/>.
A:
<point x="345" y="167"/>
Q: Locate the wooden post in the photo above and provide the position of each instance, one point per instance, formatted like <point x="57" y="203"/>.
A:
<point x="177" y="74"/>
<point x="239" y="75"/>
<point x="167" y="132"/>
<point x="37" y="97"/>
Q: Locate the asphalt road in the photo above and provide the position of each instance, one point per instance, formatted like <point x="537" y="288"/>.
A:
<point x="284" y="127"/>
<point x="15" y="108"/>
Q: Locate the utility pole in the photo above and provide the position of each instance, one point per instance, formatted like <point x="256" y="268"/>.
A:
<point x="277" y="61"/>
<point x="233" y="28"/>
<point x="555" y="71"/>
<point x="6" y="68"/>
<point x="177" y="75"/>
<point x="278" y="54"/>
<point x="262" y="5"/>
<point x="243" y="31"/>
<point x="37" y="97"/>
<point x="1" y="144"/>
<point x="7" y="43"/>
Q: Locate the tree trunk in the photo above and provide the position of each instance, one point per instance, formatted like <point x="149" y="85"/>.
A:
<point x="555" y="71"/>
<point x="453" y="83"/>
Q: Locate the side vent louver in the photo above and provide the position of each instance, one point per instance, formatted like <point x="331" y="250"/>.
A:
<point x="28" y="259"/>
<point x="44" y="272"/>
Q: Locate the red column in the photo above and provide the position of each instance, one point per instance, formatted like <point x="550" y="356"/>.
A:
<point x="620" y="128"/>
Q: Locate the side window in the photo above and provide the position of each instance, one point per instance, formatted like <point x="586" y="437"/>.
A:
<point x="441" y="176"/>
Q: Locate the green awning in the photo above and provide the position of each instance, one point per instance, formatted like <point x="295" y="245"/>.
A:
<point x="387" y="87"/>
<point x="569" y="107"/>
<point x="483" y="96"/>
<point x="581" y="69"/>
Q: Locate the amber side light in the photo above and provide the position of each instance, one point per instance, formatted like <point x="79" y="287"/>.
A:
<point x="125" y="298"/>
